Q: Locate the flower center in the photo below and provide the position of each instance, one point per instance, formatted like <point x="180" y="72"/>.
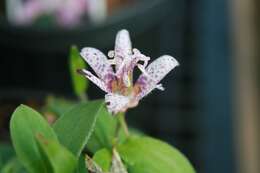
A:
<point x="118" y="86"/>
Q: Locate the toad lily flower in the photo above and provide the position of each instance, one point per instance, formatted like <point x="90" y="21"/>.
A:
<point x="115" y="74"/>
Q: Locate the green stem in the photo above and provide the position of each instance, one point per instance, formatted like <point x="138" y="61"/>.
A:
<point x="122" y="122"/>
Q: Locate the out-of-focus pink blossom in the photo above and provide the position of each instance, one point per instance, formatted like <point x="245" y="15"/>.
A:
<point x="71" y="12"/>
<point x="28" y="12"/>
<point x="66" y="12"/>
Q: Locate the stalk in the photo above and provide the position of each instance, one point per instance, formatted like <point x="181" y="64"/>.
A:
<point x="123" y="124"/>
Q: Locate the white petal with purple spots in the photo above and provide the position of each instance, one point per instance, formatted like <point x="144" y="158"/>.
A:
<point x="98" y="62"/>
<point x="123" y="47"/>
<point x="116" y="102"/>
<point x="94" y="79"/>
<point x="154" y="73"/>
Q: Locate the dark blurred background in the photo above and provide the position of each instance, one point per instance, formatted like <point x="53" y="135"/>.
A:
<point x="209" y="109"/>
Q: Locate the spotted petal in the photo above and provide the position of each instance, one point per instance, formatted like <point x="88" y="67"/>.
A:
<point x="116" y="103"/>
<point x="123" y="46"/>
<point x="99" y="63"/>
<point x="154" y="73"/>
<point x="94" y="79"/>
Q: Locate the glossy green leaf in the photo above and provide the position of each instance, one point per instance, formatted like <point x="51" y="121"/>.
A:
<point x="145" y="154"/>
<point x="103" y="158"/>
<point x="79" y="82"/>
<point x="25" y="124"/>
<point x="75" y="127"/>
<point x="56" y="157"/>
<point x="104" y="132"/>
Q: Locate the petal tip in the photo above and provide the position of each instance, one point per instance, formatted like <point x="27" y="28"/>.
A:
<point x="173" y="60"/>
<point x="81" y="72"/>
<point x="123" y="31"/>
<point x="87" y="49"/>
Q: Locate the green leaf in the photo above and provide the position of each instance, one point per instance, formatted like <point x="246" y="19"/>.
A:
<point x="145" y="154"/>
<point x="75" y="127"/>
<point x="25" y="124"/>
<point x="104" y="132"/>
<point x="103" y="158"/>
<point x="79" y="82"/>
<point x="81" y="168"/>
<point x="57" y="106"/>
<point x="57" y="157"/>
<point x="12" y="166"/>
